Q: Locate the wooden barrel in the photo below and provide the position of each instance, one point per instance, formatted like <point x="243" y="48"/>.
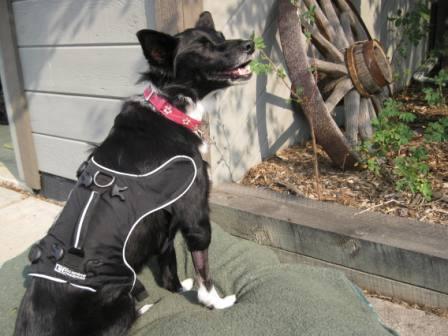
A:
<point x="368" y="67"/>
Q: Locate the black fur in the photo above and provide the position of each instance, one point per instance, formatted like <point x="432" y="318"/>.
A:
<point x="190" y="64"/>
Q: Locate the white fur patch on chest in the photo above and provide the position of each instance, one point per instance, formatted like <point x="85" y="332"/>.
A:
<point x="195" y="110"/>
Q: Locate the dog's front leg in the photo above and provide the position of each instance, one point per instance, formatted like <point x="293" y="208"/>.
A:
<point x="207" y="293"/>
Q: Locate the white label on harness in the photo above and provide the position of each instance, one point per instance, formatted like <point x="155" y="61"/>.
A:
<point x="68" y="272"/>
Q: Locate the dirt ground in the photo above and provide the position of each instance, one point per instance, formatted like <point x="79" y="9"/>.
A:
<point x="291" y="171"/>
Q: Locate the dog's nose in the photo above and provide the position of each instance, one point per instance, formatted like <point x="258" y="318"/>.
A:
<point x="248" y="46"/>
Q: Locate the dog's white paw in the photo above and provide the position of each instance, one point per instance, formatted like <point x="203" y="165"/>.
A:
<point x="187" y="284"/>
<point x="144" y="309"/>
<point x="226" y="302"/>
<point x="212" y="299"/>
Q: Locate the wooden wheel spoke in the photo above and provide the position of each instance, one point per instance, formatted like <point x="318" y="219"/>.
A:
<point x="328" y="67"/>
<point x="364" y="120"/>
<point x="325" y="44"/>
<point x="372" y="112"/>
<point x="340" y="41"/>
<point x="358" y="27"/>
<point x="377" y="104"/>
<point x="345" y="22"/>
<point x="322" y="20"/>
<point x="340" y="90"/>
<point x="351" y="111"/>
<point x="328" y="87"/>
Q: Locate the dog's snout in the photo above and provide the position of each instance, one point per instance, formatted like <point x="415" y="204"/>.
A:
<point x="248" y="46"/>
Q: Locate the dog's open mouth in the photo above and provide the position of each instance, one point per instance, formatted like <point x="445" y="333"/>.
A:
<point x="240" y="73"/>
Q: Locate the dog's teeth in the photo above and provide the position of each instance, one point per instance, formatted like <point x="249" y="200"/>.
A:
<point x="244" y="71"/>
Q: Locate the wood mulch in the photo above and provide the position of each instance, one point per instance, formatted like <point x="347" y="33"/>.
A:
<point x="291" y="171"/>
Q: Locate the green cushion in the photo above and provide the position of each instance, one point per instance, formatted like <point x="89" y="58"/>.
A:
<point x="272" y="298"/>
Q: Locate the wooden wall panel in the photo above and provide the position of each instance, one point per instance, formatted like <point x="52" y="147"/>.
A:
<point x="59" y="156"/>
<point x="56" y="22"/>
<point x="74" y="117"/>
<point x="96" y="71"/>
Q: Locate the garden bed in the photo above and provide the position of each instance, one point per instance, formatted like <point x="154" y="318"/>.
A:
<point x="291" y="171"/>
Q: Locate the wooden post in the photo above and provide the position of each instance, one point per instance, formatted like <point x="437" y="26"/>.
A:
<point x="15" y="100"/>
<point x="173" y="16"/>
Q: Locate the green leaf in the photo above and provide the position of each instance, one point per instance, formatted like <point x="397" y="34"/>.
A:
<point x="259" y="67"/>
<point x="407" y="117"/>
<point x="299" y="91"/>
<point x="437" y="131"/>
<point x="259" y="42"/>
<point x="281" y="73"/>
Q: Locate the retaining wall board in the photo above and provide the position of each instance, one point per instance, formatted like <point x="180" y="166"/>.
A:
<point x="395" y="248"/>
<point x="373" y="283"/>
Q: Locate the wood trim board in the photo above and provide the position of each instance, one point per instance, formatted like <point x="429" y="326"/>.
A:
<point x="15" y="100"/>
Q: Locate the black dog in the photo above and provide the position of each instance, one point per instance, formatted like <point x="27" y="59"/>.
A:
<point x="82" y="278"/>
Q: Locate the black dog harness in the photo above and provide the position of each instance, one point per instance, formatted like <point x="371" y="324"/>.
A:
<point x="86" y="245"/>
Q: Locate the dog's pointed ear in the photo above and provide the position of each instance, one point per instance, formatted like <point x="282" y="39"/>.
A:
<point x="158" y="48"/>
<point x="205" y="21"/>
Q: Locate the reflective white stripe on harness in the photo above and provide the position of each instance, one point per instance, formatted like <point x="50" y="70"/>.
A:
<point x="156" y="209"/>
<point x="81" y="220"/>
<point x="47" y="277"/>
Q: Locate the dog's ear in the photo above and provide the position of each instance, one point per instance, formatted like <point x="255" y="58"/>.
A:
<point x="158" y="48"/>
<point x="205" y="21"/>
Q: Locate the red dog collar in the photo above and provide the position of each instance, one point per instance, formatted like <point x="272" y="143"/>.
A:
<point x="169" y="111"/>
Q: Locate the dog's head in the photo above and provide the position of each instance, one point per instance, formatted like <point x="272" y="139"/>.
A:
<point x="199" y="57"/>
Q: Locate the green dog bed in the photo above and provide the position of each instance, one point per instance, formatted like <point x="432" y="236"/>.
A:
<point x="272" y="298"/>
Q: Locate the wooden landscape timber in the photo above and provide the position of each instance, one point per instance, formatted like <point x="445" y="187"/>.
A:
<point x="391" y="256"/>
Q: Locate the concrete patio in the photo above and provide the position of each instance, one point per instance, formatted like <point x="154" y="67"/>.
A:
<point x="25" y="218"/>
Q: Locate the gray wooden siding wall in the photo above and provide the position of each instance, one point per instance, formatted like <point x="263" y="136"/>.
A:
<point x="79" y="58"/>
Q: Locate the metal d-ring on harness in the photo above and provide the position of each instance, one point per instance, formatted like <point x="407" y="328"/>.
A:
<point x="100" y="183"/>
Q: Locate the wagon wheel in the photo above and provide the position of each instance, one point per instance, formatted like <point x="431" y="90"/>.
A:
<point x="352" y="72"/>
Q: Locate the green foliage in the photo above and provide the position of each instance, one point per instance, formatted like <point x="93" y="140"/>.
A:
<point x="261" y="64"/>
<point x="310" y="15"/>
<point x="260" y="67"/>
<point x="432" y="97"/>
<point x="437" y="131"/>
<point x="386" y="154"/>
<point x="264" y="65"/>
<point x="435" y="97"/>
<point x="412" y="172"/>
<point x="391" y="130"/>
<point x="441" y="78"/>
<point x="413" y="25"/>
<point x="259" y="42"/>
